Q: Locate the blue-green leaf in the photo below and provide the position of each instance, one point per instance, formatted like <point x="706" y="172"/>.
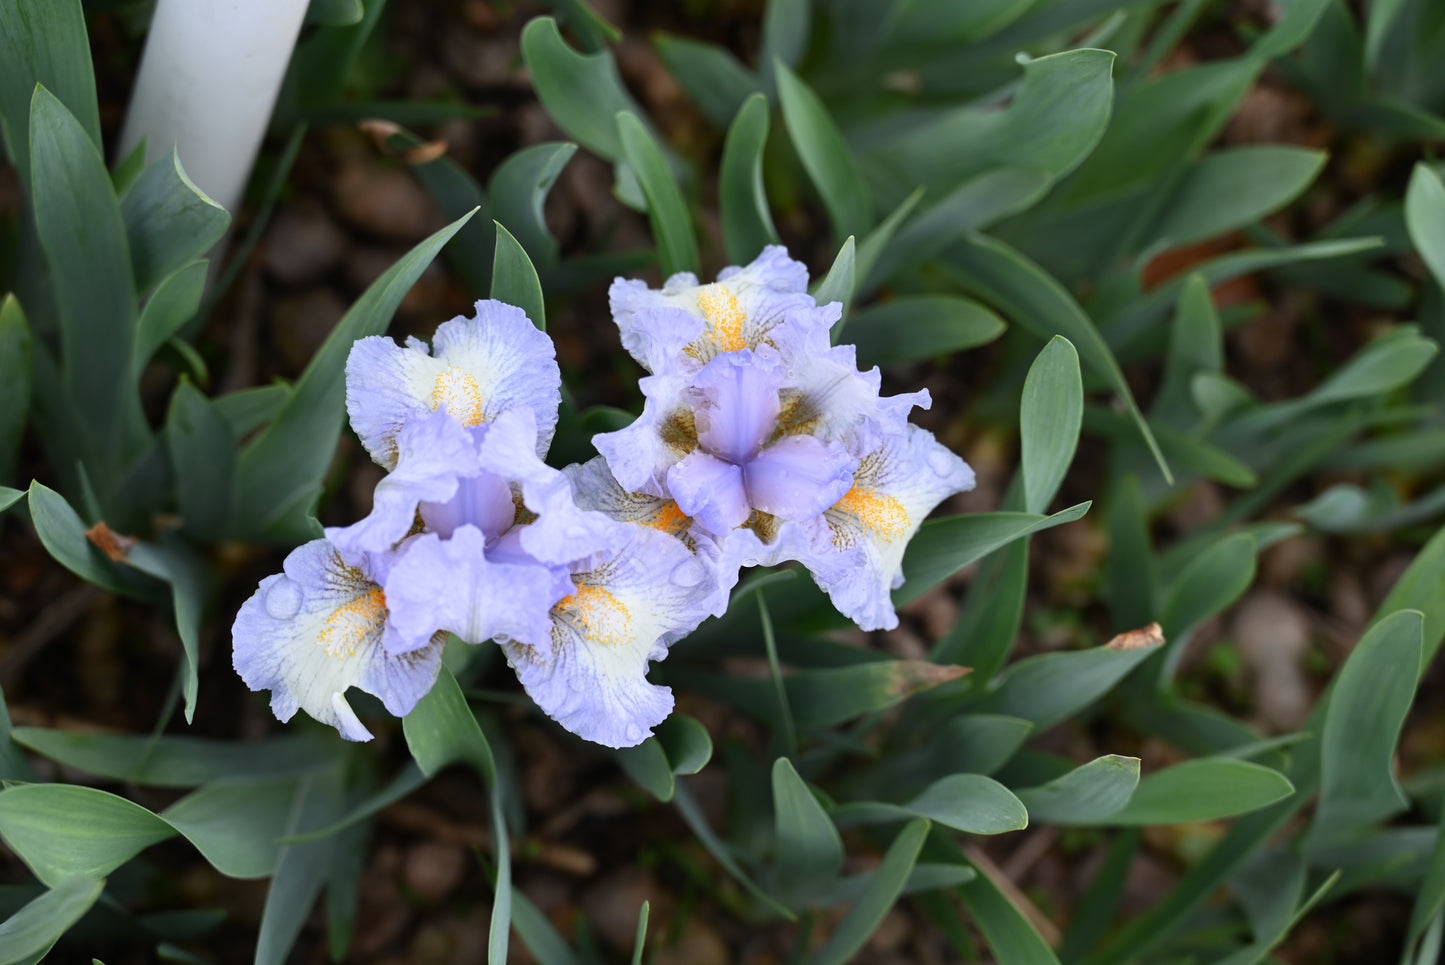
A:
<point x="825" y="155"/>
<point x="83" y="236"/>
<point x="582" y="93"/>
<point x="1050" y="414"/>
<point x="43" y="44"/>
<point x="174" y="302"/>
<point x="883" y="889"/>
<point x="514" y="280"/>
<point x="517" y="190"/>
<point x="1051" y="686"/>
<point x="14" y="383"/>
<point x="912" y="328"/>
<point x="28" y="935"/>
<point x="63" y="830"/>
<point x="203" y="458"/>
<point x="186" y="573"/>
<point x="1086" y="794"/>
<point x="1202" y="790"/>
<point x="666" y="207"/>
<point x="168" y="221"/>
<point x="279" y="473"/>
<point x="743" y="203"/>
<point x="63" y="534"/>
<point x="1425" y="217"/>
<point x="809" y="851"/>
<point x="717" y="83"/>
<point x="1363" y="720"/>
<point x="838" y="284"/>
<point x="174" y="761"/>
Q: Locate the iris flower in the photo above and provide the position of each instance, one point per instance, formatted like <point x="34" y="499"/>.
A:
<point x="769" y="440"/>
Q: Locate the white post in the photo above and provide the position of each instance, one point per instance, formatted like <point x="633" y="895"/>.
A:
<point x="208" y="82"/>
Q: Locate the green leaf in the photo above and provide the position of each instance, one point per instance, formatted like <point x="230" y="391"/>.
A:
<point x="1421" y="587"/>
<point x="1213" y="579"/>
<point x="43" y="44"/>
<point x="809" y="850"/>
<point x="458" y="195"/>
<point x="1053" y="121"/>
<point x="666" y="207"/>
<point x="639" y="941"/>
<point x="1196" y="345"/>
<point x="838" y="284"/>
<point x="538" y="934"/>
<point x="991" y="614"/>
<point x="1086" y="794"/>
<point x="14" y="383"/>
<point x="279" y="472"/>
<point x="168" y="221"/>
<point x="518" y="189"/>
<point x="1425" y="217"/>
<point x="301" y="869"/>
<point x="63" y="535"/>
<point x="234" y="823"/>
<point x="822" y="698"/>
<point x="971" y="803"/>
<point x="1051" y="686"/>
<point x="582" y="93"/>
<point x="334" y="13"/>
<point x="913" y="328"/>
<point x="1363" y="720"/>
<point x="1035" y="301"/>
<point x="187" y="574"/>
<point x="514" y="280"/>
<point x="697" y="823"/>
<point x="9" y="497"/>
<point x="1231" y="188"/>
<point x="441" y="729"/>
<point x="248" y="409"/>
<point x="973" y="205"/>
<point x="81" y="231"/>
<point x="62" y="830"/>
<point x="825" y="156"/>
<point x="883" y="889"/>
<point x="29" y="934"/>
<point x="1010" y="936"/>
<point x="648" y="767"/>
<point x="712" y="77"/>
<point x="174" y="761"/>
<point x="942" y="547"/>
<point x="174" y="302"/>
<point x="203" y="459"/>
<point x="742" y="201"/>
<point x="687" y="743"/>
<point x="1431" y="896"/>
<point x="1205" y="789"/>
<point x="1050" y="413"/>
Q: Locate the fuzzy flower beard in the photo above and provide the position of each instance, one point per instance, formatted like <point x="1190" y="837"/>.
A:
<point x="769" y="440"/>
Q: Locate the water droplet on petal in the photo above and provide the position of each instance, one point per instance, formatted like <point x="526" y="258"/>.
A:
<point x="283" y="599"/>
<point x="689" y="573"/>
<point x="635" y="733"/>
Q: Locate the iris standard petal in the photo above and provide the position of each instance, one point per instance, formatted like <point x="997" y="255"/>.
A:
<point x="711" y="491"/>
<point x="590" y="673"/>
<point x="798" y="477"/>
<point x="735" y="403"/>
<point x="433" y="452"/>
<point x="482" y="367"/>
<point x="309" y="633"/>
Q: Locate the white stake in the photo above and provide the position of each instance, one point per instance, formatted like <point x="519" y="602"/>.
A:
<point x="208" y="81"/>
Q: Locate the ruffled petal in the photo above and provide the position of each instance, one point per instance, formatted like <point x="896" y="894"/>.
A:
<point x="590" y="673"/>
<point x="710" y="490"/>
<point x="482" y="367"/>
<point x="641" y="454"/>
<point x="903" y="475"/>
<point x="735" y="403"/>
<point x="453" y="585"/>
<point x="798" y="477"/>
<point x="434" y="451"/>
<point x="738" y="311"/>
<point x="309" y="633"/>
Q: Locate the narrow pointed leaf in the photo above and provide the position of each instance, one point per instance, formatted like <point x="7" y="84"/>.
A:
<point x="168" y="221"/>
<point x="1086" y="794"/>
<point x="809" y="851"/>
<point x="518" y="189"/>
<point x="28" y="935"/>
<point x="742" y="201"/>
<point x="1050" y="414"/>
<point x="666" y="207"/>
<point x="514" y="280"/>
<point x="825" y="155"/>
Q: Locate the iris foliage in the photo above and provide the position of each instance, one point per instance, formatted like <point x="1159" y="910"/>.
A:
<point x="999" y="171"/>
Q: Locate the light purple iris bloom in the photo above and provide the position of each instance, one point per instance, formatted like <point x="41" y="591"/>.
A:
<point x="770" y="439"/>
<point x="472" y="533"/>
